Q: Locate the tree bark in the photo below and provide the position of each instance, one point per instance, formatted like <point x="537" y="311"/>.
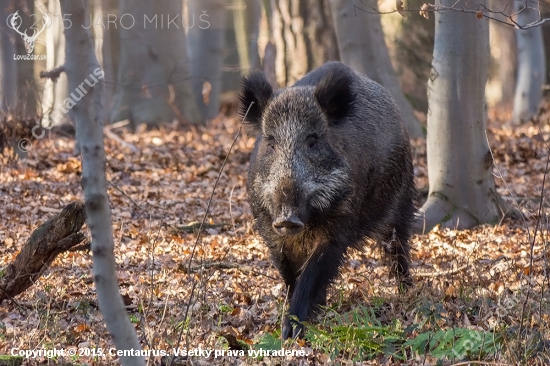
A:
<point x="246" y="17"/>
<point x="414" y="45"/>
<point x="363" y="48"/>
<point x="462" y="191"/>
<point x="206" y="48"/>
<point x="82" y="71"/>
<point x="55" y="92"/>
<point x="153" y="80"/>
<point x="8" y="66"/>
<point x="504" y="37"/>
<point x="304" y="38"/>
<point x="531" y="63"/>
<point x="55" y="236"/>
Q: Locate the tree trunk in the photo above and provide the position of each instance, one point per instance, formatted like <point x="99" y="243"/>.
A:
<point x="462" y="190"/>
<point x="241" y="45"/>
<point x="54" y="92"/>
<point x="363" y="48"/>
<point x="304" y="37"/>
<point x="153" y="81"/>
<point x="8" y="66"/>
<point x="504" y="39"/>
<point x="545" y="13"/>
<point x="246" y="17"/>
<point x="27" y="97"/>
<point x="84" y="74"/>
<point x="414" y="46"/>
<point x="110" y="54"/>
<point x="206" y="48"/>
<point x="531" y="63"/>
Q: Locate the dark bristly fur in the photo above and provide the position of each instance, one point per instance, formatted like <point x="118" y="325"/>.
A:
<point x="331" y="167"/>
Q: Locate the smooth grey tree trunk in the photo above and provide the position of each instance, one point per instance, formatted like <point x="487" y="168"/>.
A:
<point x="304" y="37"/>
<point x="247" y="27"/>
<point x="153" y="79"/>
<point x="504" y="38"/>
<point x="206" y="48"/>
<point x="414" y="46"/>
<point x="363" y="48"/>
<point x="54" y="93"/>
<point x="81" y="65"/>
<point x="110" y="53"/>
<point x="241" y="45"/>
<point x="8" y="66"/>
<point x="531" y="62"/>
<point x="462" y="190"/>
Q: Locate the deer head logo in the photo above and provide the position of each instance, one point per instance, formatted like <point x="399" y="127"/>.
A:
<point x="16" y="21"/>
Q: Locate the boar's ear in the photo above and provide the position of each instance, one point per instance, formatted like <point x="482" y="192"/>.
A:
<point x="334" y="94"/>
<point x="254" y="88"/>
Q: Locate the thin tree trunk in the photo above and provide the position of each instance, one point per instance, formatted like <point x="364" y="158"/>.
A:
<point x="8" y="66"/>
<point x="110" y="54"/>
<point x="153" y="80"/>
<point x="414" y="46"/>
<point x="503" y="37"/>
<point x="54" y="92"/>
<point x="27" y="97"/>
<point x="206" y="47"/>
<point x="83" y="70"/>
<point x="531" y="63"/>
<point x="247" y="27"/>
<point x="363" y="48"/>
<point x="304" y="38"/>
<point x="462" y="190"/>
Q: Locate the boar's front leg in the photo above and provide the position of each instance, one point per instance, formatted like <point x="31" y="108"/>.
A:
<point x="311" y="285"/>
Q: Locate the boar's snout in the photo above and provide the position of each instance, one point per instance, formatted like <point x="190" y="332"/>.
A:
<point x="286" y="225"/>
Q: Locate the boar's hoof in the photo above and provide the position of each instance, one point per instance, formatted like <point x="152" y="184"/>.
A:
<point x="288" y="226"/>
<point x="292" y="329"/>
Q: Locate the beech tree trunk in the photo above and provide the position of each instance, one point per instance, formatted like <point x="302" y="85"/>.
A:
<point x="531" y="63"/>
<point x="414" y="46"/>
<point x="363" y="48"/>
<point x="153" y="80"/>
<point x="246" y="17"/>
<point x="206" y="48"/>
<point x="82" y="70"/>
<point x="462" y="190"/>
<point x="504" y="38"/>
<point x="8" y="66"/>
<point x="304" y="38"/>
<point x="54" y="92"/>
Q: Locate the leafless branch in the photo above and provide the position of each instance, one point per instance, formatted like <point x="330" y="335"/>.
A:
<point x="53" y="74"/>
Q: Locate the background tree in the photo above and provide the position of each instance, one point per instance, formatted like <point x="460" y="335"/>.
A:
<point x="54" y="93"/>
<point x="206" y="48"/>
<point x="241" y="43"/>
<point x="461" y="186"/>
<point x="414" y="43"/>
<point x="8" y="66"/>
<point x="504" y="39"/>
<point x="303" y="35"/>
<point x="531" y="73"/>
<point x="80" y="64"/>
<point x="363" y="48"/>
<point x="153" y="80"/>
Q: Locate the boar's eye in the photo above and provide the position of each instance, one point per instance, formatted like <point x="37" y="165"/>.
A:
<point x="270" y="141"/>
<point x="311" y="141"/>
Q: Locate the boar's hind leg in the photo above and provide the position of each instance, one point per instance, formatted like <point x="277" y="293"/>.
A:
<point x="397" y="248"/>
<point x="311" y="287"/>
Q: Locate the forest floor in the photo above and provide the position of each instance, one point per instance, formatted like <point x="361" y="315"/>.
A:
<point x="479" y="294"/>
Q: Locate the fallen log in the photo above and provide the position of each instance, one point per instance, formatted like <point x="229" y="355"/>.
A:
<point x="58" y="234"/>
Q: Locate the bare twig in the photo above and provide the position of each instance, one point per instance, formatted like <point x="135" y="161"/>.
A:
<point x="52" y="74"/>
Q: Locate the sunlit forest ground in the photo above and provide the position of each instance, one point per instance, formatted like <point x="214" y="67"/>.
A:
<point x="479" y="294"/>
